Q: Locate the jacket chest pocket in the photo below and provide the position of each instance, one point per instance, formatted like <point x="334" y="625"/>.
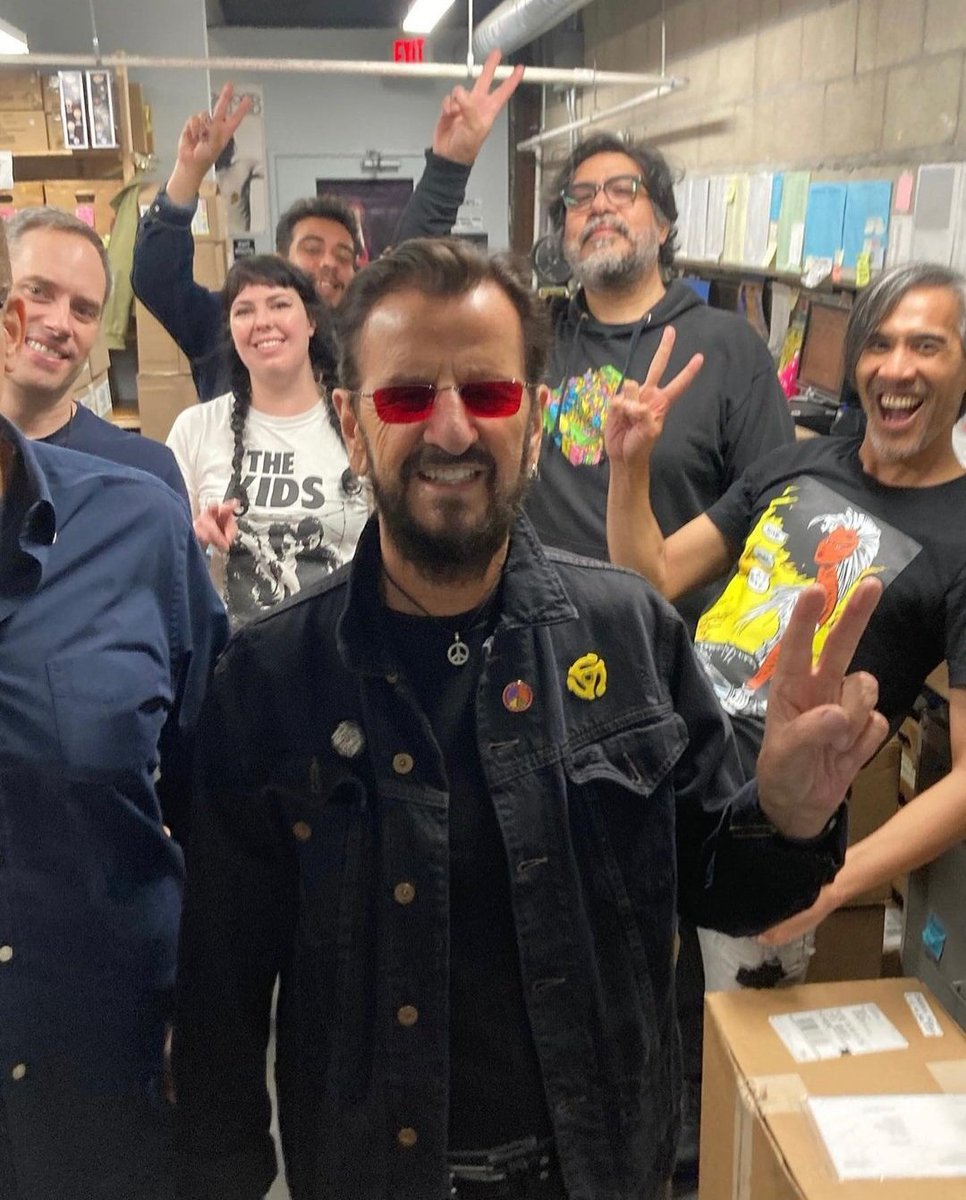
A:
<point x="621" y="787"/>
<point x="109" y="709"/>
<point x="326" y="811"/>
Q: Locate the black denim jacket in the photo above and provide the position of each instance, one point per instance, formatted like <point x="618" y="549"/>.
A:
<point x="320" y="852"/>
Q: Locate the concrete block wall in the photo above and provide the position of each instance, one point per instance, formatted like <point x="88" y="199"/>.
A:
<point x="828" y="85"/>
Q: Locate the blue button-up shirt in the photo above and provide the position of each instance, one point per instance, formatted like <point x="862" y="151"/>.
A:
<point x="108" y="628"/>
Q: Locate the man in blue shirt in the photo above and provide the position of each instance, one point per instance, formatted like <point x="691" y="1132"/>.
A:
<point x="108" y="628"/>
<point x="62" y="275"/>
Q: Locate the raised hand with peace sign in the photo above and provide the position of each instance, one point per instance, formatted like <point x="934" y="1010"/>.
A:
<point x="204" y="137"/>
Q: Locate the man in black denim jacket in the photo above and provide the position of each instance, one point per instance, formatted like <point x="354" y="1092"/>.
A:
<point x="453" y="797"/>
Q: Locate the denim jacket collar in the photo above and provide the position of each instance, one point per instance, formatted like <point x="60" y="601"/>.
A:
<point x="532" y="595"/>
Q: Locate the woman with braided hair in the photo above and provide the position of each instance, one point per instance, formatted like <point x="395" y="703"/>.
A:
<point x="272" y="496"/>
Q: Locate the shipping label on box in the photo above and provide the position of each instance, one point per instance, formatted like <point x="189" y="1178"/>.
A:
<point x="759" y="1140"/>
<point x="20" y="88"/>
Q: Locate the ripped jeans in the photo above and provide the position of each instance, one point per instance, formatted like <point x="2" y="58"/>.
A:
<point x="736" y="962"/>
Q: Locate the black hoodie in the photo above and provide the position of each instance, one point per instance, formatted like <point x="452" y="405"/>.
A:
<point x="732" y="414"/>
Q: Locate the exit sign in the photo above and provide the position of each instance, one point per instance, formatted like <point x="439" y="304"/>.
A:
<point x="408" y="49"/>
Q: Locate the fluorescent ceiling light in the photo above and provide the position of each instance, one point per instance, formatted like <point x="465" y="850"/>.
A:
<point x="12" y="39"/>
<point x="424" y="14"/>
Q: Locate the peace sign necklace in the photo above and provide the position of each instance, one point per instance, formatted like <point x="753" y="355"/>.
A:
<point x="458" y="653"/>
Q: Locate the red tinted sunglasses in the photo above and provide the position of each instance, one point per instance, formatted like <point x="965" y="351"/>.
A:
<point x="404" y="403"/>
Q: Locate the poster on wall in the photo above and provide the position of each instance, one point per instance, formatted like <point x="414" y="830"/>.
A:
<point x="377" y="203"/>
<point x="241" y="168"/>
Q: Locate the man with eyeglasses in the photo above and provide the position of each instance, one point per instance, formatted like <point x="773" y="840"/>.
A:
<point x="614" y="211"/>
<point x="320" y="235"/>
<point x="451" y="795"/>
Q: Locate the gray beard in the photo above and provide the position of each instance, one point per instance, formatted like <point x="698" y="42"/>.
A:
<point x="613" y="270"/>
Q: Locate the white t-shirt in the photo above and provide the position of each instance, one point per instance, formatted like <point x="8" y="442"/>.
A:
<point x="959" y="440"/>
<point x="306" y="508"/>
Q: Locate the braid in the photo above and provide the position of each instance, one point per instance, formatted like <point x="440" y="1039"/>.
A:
<point x="240" y="404"/>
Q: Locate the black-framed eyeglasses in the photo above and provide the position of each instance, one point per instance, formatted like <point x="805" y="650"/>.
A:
<point x="404" y="403"/>
<point x="620" y="190"/>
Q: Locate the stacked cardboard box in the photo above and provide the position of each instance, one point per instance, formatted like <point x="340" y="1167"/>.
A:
<point x="23" y="128"/>
<point x="759" y="1138"/>
<point x="87" y="199"/>
<point x="92" y="387"/>
<point x="18" y="196"/>
<point x="165" y="386"/>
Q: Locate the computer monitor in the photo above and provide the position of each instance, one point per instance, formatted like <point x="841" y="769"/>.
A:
<point x="822" y="363"/>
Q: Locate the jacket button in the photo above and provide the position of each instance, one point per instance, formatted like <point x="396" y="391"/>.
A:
<point x="19" y="1071"/>
<point x="404" y="893"/>
<point x="6" y="953"/>
<point x="402" y="763"/>
<point x="407" y="1015"/>
<point x="302" y="831"/>
<point x="406" y="1137"/>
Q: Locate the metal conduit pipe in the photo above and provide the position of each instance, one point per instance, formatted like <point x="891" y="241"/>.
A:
<point x="575" y="77"/>
<point x="515" y="22"/>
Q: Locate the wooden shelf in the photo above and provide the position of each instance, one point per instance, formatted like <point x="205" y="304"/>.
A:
<point x="739" y="271"/>
<point x="125" y="416"/>
<point x="40" y="165"/>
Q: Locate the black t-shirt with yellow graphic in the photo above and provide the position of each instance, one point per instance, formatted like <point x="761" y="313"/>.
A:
<point x="809" y="514"/>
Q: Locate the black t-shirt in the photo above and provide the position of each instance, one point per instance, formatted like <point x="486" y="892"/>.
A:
<point x="90" y="434"/>
<point x="807" y="514"/>
<point x="733" y="413"/>
<point x="496" y="1089"/>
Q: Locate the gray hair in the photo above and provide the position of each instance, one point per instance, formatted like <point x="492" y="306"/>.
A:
<point x="878" y="300"/>
<point x="45" y="217"/>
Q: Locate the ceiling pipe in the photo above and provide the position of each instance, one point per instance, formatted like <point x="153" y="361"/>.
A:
<point x="515" y="22"/>
<point x="572" y="77"/>
<point x="673" y="83"/>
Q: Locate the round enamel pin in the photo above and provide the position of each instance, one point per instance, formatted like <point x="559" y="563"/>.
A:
<point x="348" y="739"/>
<point x="517" y="696"/>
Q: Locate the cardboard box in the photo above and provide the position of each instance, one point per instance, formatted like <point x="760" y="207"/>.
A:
<point x="20" y="88"/>
<point x="758" y="1140"/>
<point x="873" y="800"/>
<point x="160" y="399"/>
<point x="158" y="353"/>
<point x="55" y="131"/>
<point x="848" y="944"/>
<point x="50" y="92"/>
<point x="910" y="738"/>
<point x="102" y="402"/>
<point x="88" y="199"/>
<point x="211" y="219"/>
<point x="209" y="265"/>
<point x="100" y="356"/>
<point x="142" y="128"/>
<point x="24" y="131"/>
<point x="20" y="195"/>
<point x="210" y="223"/>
